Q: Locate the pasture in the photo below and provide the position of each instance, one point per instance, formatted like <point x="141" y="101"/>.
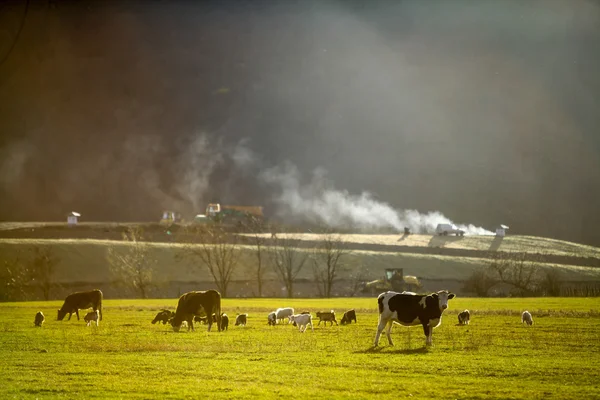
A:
<point x="128" y="357"/>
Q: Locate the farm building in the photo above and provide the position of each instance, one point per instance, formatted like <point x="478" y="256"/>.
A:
<point x="501" y="230"/>
<point x="73" y="218"/>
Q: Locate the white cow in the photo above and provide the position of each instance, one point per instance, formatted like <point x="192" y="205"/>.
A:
<point x="302" y="320"/>
<point x="526" y="318"/>
<point x="91" y="316"/>
<point x="282" y="313"/>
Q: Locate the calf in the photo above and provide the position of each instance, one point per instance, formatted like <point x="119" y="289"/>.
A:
<point x="197" y="304"/>
<point x="282" y="313"/>
<point x="164" y="316"/>
<point x="302" y="321"/>
<point x="526" y="318"/>
<point x="91" y="316"/>
<point x="464" y="317"/>
<point x="327" y="317"/>
<point x="348" y="317"/>
<point x="241" y="319"/>
<point x="410" y="310"/>
<point x="224" y="322"/>
<point x="81" y="300"/>
<point x="39" y="319"/>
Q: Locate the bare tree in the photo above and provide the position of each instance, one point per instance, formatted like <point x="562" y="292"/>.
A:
<point x="552" y="282"/>
<point x="217" y="250"/>
<point x="256" y="227"/>
<point x="480" y="282"/>
<point x="14" y="279"/>
<point x="357" y="280"/>
<point x="43" y="268"/>
<point x="516" y="270"/>
<point x="134" y="266"/>
<point x="327" y="262"/>
<point x="288" y="260"/>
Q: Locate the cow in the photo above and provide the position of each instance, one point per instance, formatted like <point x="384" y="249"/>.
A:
<point x="348" y="317"/>
<point x="327" y="316"/>
<point x="411" y="310"/>
<point x="302" y="321"/>
<point x="224" y="322"/>
<point x="39" y="319"/>
<point x="282" y="313"/>
<point x="91" y="316"/>
<point x="526" y="318"/>
<point x="464" y="317"/>
<point x="272" y="318"/>
<point x="241" y="319"/>
<point x="197" y="304"/>
<point x="79" y="301"/>
<point x="164" y="316"/>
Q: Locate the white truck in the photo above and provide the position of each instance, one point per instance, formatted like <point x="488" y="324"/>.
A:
<point x="448" y="229"/>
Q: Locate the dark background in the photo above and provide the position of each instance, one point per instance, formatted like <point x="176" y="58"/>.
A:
<point x="487" y="111"/>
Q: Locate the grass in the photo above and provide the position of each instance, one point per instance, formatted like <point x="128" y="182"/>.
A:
<point x="127" y="357"/>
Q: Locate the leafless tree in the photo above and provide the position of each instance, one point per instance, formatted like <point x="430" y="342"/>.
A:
<point x="516" y="270"/>
<point x="327" y="257"/>
<point x="257" y="227"/>
<point x="357" y="280"/>
<point x="133" y="265"/>
<point x="14" y="279"/>
<point x="480" y="282"/>
<point x="287" y="260"/>
<point x="217" y="250"/>
<point x="43" y="268"/>
<point x="552" y="282"/>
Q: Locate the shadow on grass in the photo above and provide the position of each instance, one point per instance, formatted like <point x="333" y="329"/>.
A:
<point x="378" y="349"/>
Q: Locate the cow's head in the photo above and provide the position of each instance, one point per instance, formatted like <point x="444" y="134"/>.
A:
<point x="176" y="323"/>
<point x="443" y="296"/>
<point x="61" y="315"/>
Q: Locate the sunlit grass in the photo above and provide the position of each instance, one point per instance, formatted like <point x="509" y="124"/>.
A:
<point x="126" y="356"/>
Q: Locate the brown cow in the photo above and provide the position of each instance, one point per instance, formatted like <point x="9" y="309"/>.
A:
<point x="164" y="316"/>
<point x="348" y="317"/>
<point x="81" y="300"/>
<point x="197" y="303"/>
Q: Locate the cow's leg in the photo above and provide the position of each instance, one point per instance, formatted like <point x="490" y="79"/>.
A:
<point x="427" y="330"/>
<point x="389" y="332"/>
<point x="190" y="322"/>
<point x="380" y="328"/>
<point x="76" y="313"/>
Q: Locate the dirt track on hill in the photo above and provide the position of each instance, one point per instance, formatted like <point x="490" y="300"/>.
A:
<point x="172" y="234"/>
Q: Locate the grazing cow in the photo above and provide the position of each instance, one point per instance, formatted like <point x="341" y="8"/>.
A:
<point x="464" y="317"/>
<point x="327" y="316"/>
<point x="79" y="301"/>
<point x="164" y="316"/>
<point x="91" y="316"/>
<point x="272" y="318"/>
<point x="197" y="304"/>
<point x="411" y="310"/>
<point x="348" y="317"/>
<point x="39" y="319"/>
<point x="201" y="320"/>
<point x="526" y="318"/>
<point x="302" y="321"/>
<point x="241" y="319"/>
<point x="224" y="322"/>
<point x="282" y="313"/>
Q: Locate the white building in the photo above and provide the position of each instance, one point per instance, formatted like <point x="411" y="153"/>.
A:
<point x="501" y="230"/>
<point x="72" y="218"/>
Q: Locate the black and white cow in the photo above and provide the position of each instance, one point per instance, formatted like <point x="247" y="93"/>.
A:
<point x="411" y="309"/>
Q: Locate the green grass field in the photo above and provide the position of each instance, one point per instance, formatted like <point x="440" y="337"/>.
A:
<point x="127" y="357"/>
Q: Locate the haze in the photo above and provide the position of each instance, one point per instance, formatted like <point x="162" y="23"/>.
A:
<point x="487" y="112"/>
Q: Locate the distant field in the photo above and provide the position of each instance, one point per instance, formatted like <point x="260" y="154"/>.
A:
<point x="127" y="357"/>
<point x="85" y="260"/>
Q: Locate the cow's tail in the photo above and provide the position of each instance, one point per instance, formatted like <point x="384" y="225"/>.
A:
<point x="99" y="306"/>
<point x="380" y="302"/>
<point x="218" y="311"/>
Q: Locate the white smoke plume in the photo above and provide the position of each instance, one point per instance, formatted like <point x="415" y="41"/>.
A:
<point x="318" y="202"/>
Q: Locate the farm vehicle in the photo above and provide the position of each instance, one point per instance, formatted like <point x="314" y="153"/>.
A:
<point x="395" y="280"/>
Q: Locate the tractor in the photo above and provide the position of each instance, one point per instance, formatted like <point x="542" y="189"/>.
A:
<point x="395" y="280"/>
